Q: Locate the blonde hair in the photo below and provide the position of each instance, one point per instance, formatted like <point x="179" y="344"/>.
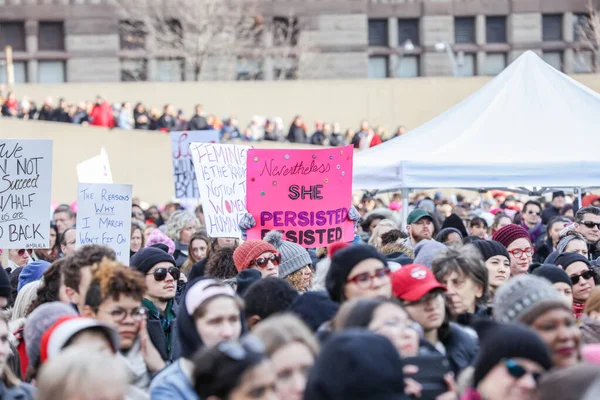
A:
<point x="26" y="296"/>
<point x="82" y="372"/>
<point x="177" y="221"/>
<point x="375" y="235"/>
<point x="279" y="331"/>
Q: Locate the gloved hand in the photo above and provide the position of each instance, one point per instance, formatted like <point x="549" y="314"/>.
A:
<point x="247" y="222"/>
<point x="354" y="216"/>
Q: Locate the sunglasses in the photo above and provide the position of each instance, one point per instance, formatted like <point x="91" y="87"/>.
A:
<point x="533" y="212"/>
<point x="517" y="253"/>
<point x="262" y="262"/>
<point x="517" y="371"/>
<point x="21" y="252"/>
<point x="365" y="279"/>
<point x="585" y="275"/>
<point x="160" y="274"/>
<point x="590" y="224"/>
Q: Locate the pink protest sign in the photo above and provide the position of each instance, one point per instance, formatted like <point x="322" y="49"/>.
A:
<point x="303" y="193"/>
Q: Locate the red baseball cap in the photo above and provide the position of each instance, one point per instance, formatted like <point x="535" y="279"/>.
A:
<point x="413" y="281"/>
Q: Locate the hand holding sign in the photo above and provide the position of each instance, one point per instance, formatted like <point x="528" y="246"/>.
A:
<point x="304" y="193"/>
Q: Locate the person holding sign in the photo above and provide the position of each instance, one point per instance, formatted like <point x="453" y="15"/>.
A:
<point x="296" y="265"/>
<point x="257" y="254"/>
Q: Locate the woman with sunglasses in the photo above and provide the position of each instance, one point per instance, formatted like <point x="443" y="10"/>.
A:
<point x="518" y="243"/>
<point x="582" y="277"/>
<point x="259" y="255"/>
<point x="533" y="301"/>
<point x="511" y="359"/>
<point x="235" y="371"/>
<point x="210" y="313"/>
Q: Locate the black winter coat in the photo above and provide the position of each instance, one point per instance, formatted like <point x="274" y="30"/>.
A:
<point x="157" y="335"/>
<point x="198" y="123"/>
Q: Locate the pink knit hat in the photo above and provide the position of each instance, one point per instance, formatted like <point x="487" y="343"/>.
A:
<point x="156" y="236"/>
<point x="509" y="233"/>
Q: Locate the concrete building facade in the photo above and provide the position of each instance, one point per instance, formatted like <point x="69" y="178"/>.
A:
<point x="58" y="41"/>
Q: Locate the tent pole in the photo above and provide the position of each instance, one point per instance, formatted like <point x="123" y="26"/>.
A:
<point x="579" y="205"/>
<point x="404" y="207"/>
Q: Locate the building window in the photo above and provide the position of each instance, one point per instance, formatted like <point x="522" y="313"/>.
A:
<point x="553" y="58"/>
<point x="170" y="70"/>
<point x="378" y="32"/>
<point x="20" y="71"/>
<point x="378" y="67"/>
<point x="134" y="70"/>
<point x="408" y="67"/>
<point x="249" y="69"/>
<point x="51" y="71"/>
<point x="51" y="36"/>
<point x="584" y="62"/>
<point x="465" y="64"/>
<point x="495" y="63"/>
<point x="580" y="26"/>
<point x="132" y="35"/>
<point x="12" y="34"/>
<point x="408" y="29"/>
<point x="286" y="31"/>
<point x="495" y="29"/>
<point x="285" y="68"/>
<point x="552" y="27"/>
<point x="464" y="30"/>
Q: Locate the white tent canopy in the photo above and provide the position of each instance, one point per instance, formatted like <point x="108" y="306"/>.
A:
<point x="531" y="126"/>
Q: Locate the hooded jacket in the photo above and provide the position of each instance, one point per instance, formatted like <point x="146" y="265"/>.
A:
<point x="22" y="392"/>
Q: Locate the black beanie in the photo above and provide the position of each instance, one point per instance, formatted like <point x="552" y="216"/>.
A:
<point x="553" y="274"/>
<point x="491" y="248"/>
<point x="454" y="221"/>
<point x="342" y="264"/>
<point x="314" y="308"/>
<point x="161" y="246"/>
<point x="148" y="257"/>
<point x="566" y="259"/>
<point x="246" y="278"/>
<point x="499" y="341"/>
<point x="5" y="287"/>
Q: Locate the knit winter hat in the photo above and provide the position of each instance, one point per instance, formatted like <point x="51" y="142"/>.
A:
<point x="40" y="319"/>
<point x="314" y="308"/>
<point x="62" y="331"/>
<point x="564" y="242"/>
<point x="356" y="364"/>
<point x="32" y="272"/>
<point x="5" y="287"/>
<point x="509" y="233"/>
<point x="148" y="257"/>
<point x="334" y="247"/>
<point x="553" y="273"/>
<point x="524" y="298"/>
<point x="342" y="264"/>
<point x="247" y="252"/>
<point x="426" y="250"/>
<point x="499" y="342"/>
<point x="156" y="236"/>
<point x="444" y="233"/>
<point x="454" y="221"/>
<point x="246" y="278"/>
<point x="490" y="248"/>
<point x="566" y="259"/>
<point x="293" y="256"/>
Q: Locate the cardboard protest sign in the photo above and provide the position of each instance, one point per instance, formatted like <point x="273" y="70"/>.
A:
<point x="95" y="170"/>
<point x="221" y="173"/>
<point x="104" y="217"/>
<point x="25" y="190"/>
<point x="184" y="176"/>
<point x="303" y="193"/>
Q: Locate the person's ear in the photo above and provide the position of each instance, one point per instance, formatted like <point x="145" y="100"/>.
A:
<point x="252" y="321"/>
<point x="87" y="312"/>
<point x="72" y="295"/>
<point x="479" y="292"/>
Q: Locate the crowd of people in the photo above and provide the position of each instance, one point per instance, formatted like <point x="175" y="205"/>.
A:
<point x="491" y="299"/>
<point x="127" y="117"/>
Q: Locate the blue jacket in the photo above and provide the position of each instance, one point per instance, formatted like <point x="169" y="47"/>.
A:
<point x="172" y="383"/>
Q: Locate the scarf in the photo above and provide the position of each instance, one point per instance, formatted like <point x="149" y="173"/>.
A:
<point x="534" y="232"/>
<point x="136" y="366"/>
<point x="578" y="309"/>
<point x="590" y="330"/>
<point x="165" y="320"/>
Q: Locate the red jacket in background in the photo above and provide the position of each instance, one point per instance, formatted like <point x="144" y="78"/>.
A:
<point x="102" y="115"/>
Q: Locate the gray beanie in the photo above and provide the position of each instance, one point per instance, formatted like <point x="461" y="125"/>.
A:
<point x="426" y="250"/>
<point x="564" y="242"/>
<point x="38" y="322"/>
<point x="524" y="298"/>
<point x="293" y="256"/>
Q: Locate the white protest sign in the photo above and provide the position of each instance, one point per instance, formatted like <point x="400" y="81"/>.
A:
<point x="104" y="217"/>
<point x="184" y="176"/>
<point x="95" y="170"/>
<point x="221" y="173"/>
<point x="25" y="190"/>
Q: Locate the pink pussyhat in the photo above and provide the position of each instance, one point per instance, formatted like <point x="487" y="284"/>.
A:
<point x="591" y="353"/>
<point x="395" y="206"/>
<point x="74" y="206"/>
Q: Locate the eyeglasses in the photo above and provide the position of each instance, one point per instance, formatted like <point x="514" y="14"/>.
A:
<point x="160" y="274"/>
<point x="120" y="314"/>
<point x="517" y="371"/>
<point x="238" y="351"/>
<point x="262" y="262"/>
<point x="534" y="212"/>
<point x="585" y="275"/>
<point x="518" y="253"/>
<point x="365" y="279"/>
<point x="590" y="224"/>
<point x="21" y="252"/>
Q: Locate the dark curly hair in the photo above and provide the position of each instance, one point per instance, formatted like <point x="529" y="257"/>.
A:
<point x="50" y="288"/>
<point x="220" y="263"/>
<point x="111" y="280"/>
